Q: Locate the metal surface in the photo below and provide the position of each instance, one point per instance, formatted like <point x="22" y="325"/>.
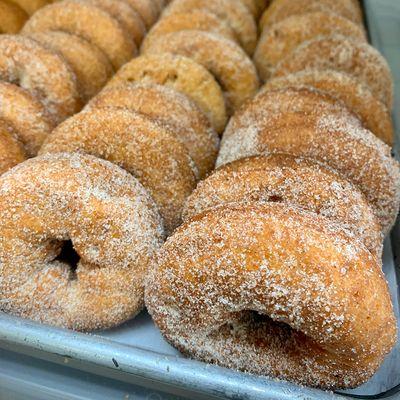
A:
<point x="134" y="360"/>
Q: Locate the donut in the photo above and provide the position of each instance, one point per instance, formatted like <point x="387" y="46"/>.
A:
<point x="174" y="111"/>
<point x="281" y="9"/>
<point x="229" y="64"/>
<point x="91" y="67"/>
<point x="356" y="95"/>
<point x="31" y="6"/>
<point x="198" y="20"/>
<point x="89" y="22"/>
<point x="310" y="124"/>
<point x="275" y="291"/>
<point x="12" y="17"/>
<point x="160" y="4"/>
<point x="148" y="11"/>
<point x="11" y="150"/>
<point x="29" y="119"/>
<point x="295" y="181"/>
<point x="280" y="39"/>
<point x="181" y="74"/>
<point x="135" y="143"/>
<point x="233" y="12"/>
<point x="45" y="74"/>
<point x="95" y="208"/>
<point x="341" y="54"/>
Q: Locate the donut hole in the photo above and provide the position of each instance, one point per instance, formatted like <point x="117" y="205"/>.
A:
<point x="68" y="255"/>
<point x="275" y="199"/>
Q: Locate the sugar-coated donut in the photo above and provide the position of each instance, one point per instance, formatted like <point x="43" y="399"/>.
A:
<point x="11" y="150"/>
<point x="357" y="96"/>
<point x="175" y="111"/>
<point x="12" y="17"/>
<point x="181" y="74"/>
<point x="292" y="180"/>
<point x="91" y="67"/>
<point x="310" y="124"/>
<point x="280" y="39"/>
<point x="89" y="22"/>
<point x="137" y="144"/>
<point x="113" y="225"/>
<point x="31" y="6"/>
<point x="225" y="59"/>
<point x="147" y="9"/>
<point x="273" y="290"/>
<point x="343" y="54"/>
<point x="45" y="74"/>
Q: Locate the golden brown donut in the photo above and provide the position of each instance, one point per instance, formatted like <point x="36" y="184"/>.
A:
<point x="229" y="64"/>
<point x="273" y="290"/>
<point x="342" y="54"/>
<point x="147" y="9"/>
<point x="11" y="150"/>
<point x="137" y="144"/>
<point x="28" y="117"/>
<point x="181" y="74"/>
<point x="113" y="225"/>
<point x="295" y="181"/>
<point x="12" y="17"/>
<point x="233" y="12"/>
<point x="280" y="39"/>
<point x="180" y="116"/>
<point x="310" y="124"/>
<point x="357" y="96"/>
<point x="45" y="74"/>
<point x="31" y="6"/>
<point x="91" y="67"/>
<point x="89" y="22"/>
<point x="198" y="20"/>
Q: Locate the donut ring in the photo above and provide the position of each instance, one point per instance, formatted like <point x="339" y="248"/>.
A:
<point x="198" y="20"/>
<point x="91" y="67"/>
<point x="143" y="148"/>
<point x="341" y="54"/>
<point x="309" y="124"/>
<point x="31" y="6"/>
<point x="26" y="115"/>
<point x="12" y="17"/>
<point x="280" y="39"/>
<point x="113" y="225"/>
<point x="45" y="74"/>
<point x="233" y="12"/>
<point x="147" y="9"/>
<point x="229" y="64"/>
<point x="355" y="95"/>
<point x="260" y="288"/>
<point x="295" y="181"/>
<point x="174" y="111"/>
<point x="89" y="22"/>
<point x="181" y="74"/>
<point x="11" y="150"/>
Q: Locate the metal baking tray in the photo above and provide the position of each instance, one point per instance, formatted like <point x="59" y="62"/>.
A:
<point x="134" y="357"/>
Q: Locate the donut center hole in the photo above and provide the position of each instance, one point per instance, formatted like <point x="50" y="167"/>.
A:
<point x="275" y="199"/>
<point x="68" y="255"/>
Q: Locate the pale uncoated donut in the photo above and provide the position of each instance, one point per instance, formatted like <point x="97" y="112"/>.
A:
<point x="137" y="144"/>
<point x="11" y="150"/>
<point x="12" y="17"/>
<point x="113" y="225"/>
<point x="273" y="290"/>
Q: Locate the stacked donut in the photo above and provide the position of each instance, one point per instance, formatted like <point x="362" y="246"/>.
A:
<point x="276" y="269"/>
<point x="66" y="53"/>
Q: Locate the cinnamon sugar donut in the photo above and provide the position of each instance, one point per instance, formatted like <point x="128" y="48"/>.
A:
<point x="233" y="12"/>
<point x="45" y="74"/>
<point x="29" y="119"/>
<point x="11" y="150"/>
<point x="341" y="54"/>
<point x="295" y="181"/>
<point x="229" y="64"/>
<point x="280" y="39"/>
<point x="174" y="111"/>
<point x="142" y="147"/>
<point x="147" y="9"/>
<point x="91" y="67"/>
<point x="89" y="22"/>
<point x="310" y="124"/>
<point x="356" y="95"/>
<point x="198" y="20"/>
<point x="112" y="223"/>
<point x="31" y="6"/>
<point x="273" y="290"/>
<point x="181" y="74"/>
<point x="12" y="17"/>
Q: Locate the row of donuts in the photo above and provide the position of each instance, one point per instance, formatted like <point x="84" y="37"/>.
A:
<point x="277" y="267"/>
